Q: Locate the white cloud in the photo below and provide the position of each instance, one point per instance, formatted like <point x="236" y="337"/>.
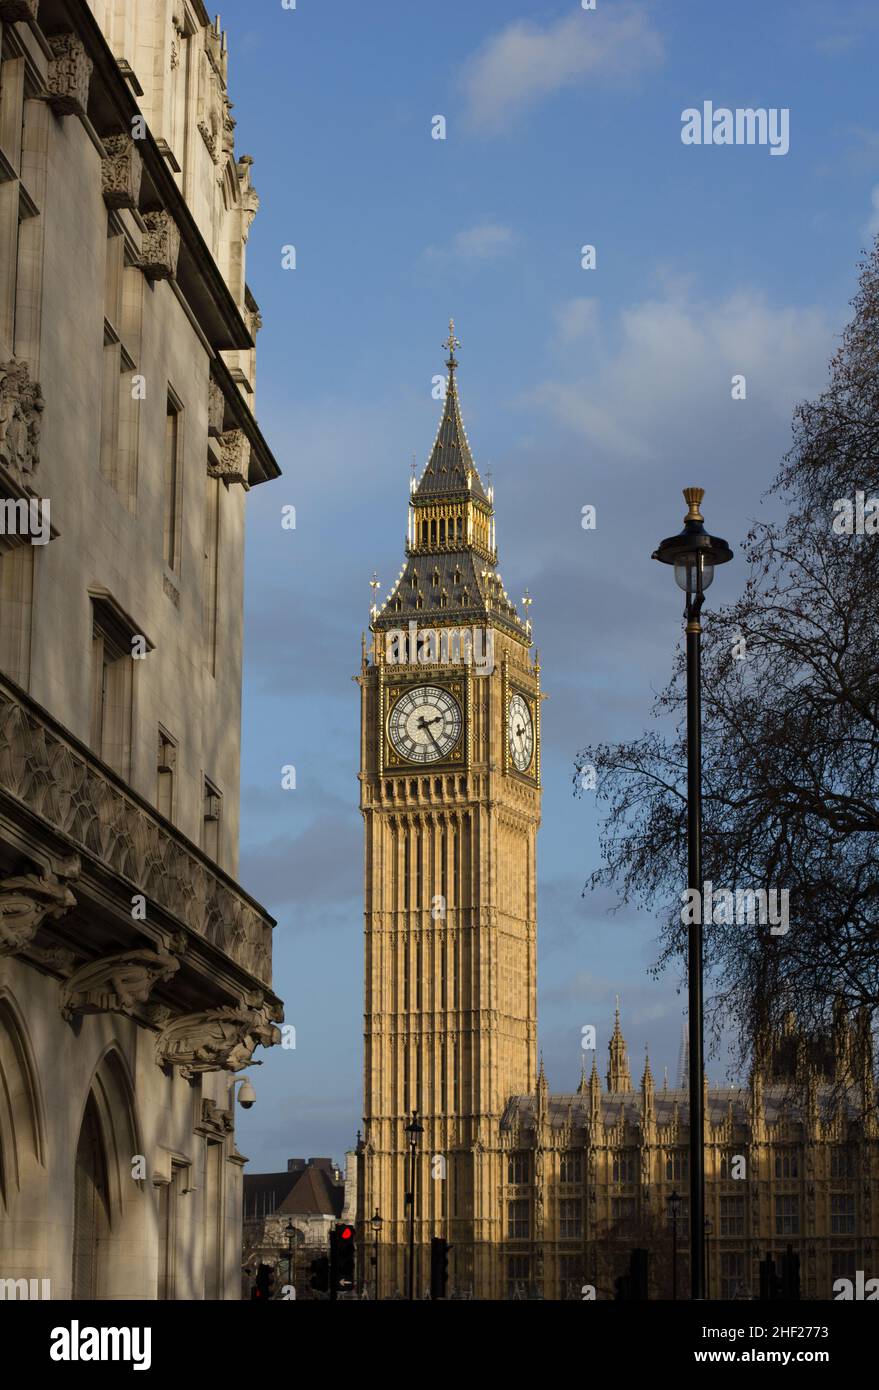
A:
<point x="487" y="241"/>
<point x="873" y="224"/>
<point x="665" y="371"/>
<point x="576" y="318"/>
<point x="526" y="62"/>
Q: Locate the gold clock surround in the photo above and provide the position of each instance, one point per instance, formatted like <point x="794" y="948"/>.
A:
<point x="394" y="691"/>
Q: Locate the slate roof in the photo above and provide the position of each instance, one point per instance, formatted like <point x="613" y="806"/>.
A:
<point x="474" y="591"/>
<point x="450" y="470"/>
<point x="264" y="1192"/>
<point x="468" y="588"/>
<point x="309" y="1191"/>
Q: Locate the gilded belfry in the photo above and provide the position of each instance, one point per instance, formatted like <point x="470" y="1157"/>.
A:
<point x="450" y="795"/>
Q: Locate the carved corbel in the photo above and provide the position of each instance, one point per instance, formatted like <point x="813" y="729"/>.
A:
<point x="70" y="73"/>
<point x="215" y="1040"/>
<point x="18" y="11"/>
<point x="26" y="902"/>
<point x="56" y="958"/>
<point x="216" y="408"/>
<point x="121" y="171"/>
<point x="234" y="457"/>
<point x="161" y="246"/>
<point x="116" y="984"/>
<point x="21" y="405"/>
<point x="215" y="1118"/>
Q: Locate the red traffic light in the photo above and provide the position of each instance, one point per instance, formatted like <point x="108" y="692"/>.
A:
<point x="346" y="1233"/>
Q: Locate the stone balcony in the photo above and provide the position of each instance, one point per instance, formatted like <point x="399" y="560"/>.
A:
<point x="60" y="804"/>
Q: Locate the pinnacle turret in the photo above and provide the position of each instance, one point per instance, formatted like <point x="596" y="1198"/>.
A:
<point x="618" y="1075"/>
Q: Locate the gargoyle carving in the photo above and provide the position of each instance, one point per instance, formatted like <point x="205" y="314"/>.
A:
<point x="26" y="901"/>
<point x="115" y="984"/>
<point x="216" y="1039"/>
<point x="21" y="404"/>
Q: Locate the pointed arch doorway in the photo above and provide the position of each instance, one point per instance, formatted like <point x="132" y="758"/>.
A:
<point x="91" y="1220"/>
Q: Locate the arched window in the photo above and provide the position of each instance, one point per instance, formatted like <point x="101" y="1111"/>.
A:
<point x="91" y="1220"/>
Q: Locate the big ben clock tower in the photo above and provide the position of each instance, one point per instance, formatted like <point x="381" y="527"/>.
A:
<point x="450" y="795"/>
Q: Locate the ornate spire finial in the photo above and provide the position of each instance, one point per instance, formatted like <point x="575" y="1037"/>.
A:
<point x="374" y="584"/>
<point x="647" y="1077"/>
<point x="451" y="343"/>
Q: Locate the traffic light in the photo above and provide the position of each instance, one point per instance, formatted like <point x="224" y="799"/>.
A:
<point x="320" y="1274"/>
<point x="343" y="1257"/>
<point x="439" y="1267"/>
<point x="264" y="1286"/>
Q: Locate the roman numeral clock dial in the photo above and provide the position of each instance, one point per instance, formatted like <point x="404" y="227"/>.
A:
<point x="520" y="731"/>
<point x="425" y="724"/>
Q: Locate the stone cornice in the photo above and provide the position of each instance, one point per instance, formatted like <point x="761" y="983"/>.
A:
<point x="263" y="466"/>
<point x="113" y="109"/>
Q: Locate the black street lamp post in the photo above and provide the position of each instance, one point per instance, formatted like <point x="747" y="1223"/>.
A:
<point x="674" y="1202"/>
<point x="694" y="554"/>
<point x="376" y="1224"/>
<point x="290" y="1233"/>
<point x="707" y="1257"/>
<point x="413" y="1129"/>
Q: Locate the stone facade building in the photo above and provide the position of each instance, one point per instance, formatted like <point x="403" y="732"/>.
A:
<point x="541" y="1195"/>
<point x="288" y="1218"/>
<point x="135" y="972"/>
<point x="792" y="1159"/>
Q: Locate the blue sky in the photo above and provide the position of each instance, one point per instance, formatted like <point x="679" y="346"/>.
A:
<point x="609" y="387"/>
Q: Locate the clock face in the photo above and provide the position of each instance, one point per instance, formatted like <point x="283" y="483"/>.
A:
<point x="425" y="724"/>
<point x="521" y="733"/>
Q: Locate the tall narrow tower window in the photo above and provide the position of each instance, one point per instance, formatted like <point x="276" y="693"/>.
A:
<point x="211" y="817"/>
<point x="210" y="573"/>
<point x="166" y="771"/>
<point x="112" y="677"/>
<point x="171" y="483"/>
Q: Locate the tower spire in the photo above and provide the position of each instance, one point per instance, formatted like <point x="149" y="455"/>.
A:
<point x="451" y="343"/>
<point x="450" y="470"/>
<point x="450" y="572"/>
<point x="618" y="1075"/>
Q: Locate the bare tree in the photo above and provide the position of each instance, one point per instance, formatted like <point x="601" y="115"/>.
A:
<point x="791" y="732"/>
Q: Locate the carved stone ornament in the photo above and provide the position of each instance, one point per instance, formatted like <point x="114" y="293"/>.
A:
<point x="216" y="408"/>
<point x="178" y="38"/>
<point x="228" y="129"/>
<point x="121" y="170"/>
<point x="70" y="73"/>
<point x="161" y="246"/>
<point x="13" y="11"/>
<point x="21" y="405"/>
<point x="234" y="457"/>
<point x="26" y="901"/>
<point x="72" y="794"/>
<point x="215" y="1040"/>
<point x="213" y="1117"/>
<point x="116" y="984"/>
